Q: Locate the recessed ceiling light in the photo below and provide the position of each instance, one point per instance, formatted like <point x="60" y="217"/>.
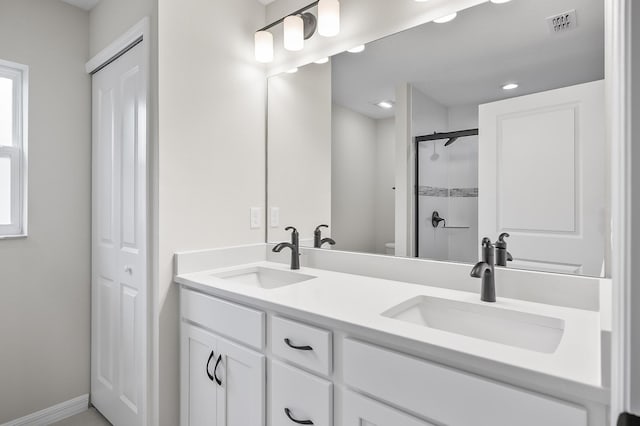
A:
<point x="321" y="61"/>
<point x="446" y="18"/>
<point x="500" y="1"/>
<point x="385" y="104"/>
<point x="357" y="49"/>
<point x="292" y="71"/>
<point x="510" y="86"/>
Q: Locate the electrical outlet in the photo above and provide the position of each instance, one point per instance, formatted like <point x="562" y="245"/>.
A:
<point x="256" y="218"/>
<point x="274" y="217"/>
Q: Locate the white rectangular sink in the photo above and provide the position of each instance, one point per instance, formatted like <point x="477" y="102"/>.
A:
<point x="514" y="328"/>
<point x="268" y="278"/>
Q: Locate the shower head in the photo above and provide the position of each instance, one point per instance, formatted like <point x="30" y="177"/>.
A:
<point x="450" y="141"/>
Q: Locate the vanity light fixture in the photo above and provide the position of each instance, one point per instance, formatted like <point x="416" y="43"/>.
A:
<point x="328" y="18"/>
<point x="293" y="33"/>
<point x="292" y="71"/>
<point x="385" y="104"/>
<point x="510" y="86"/>
<point x="500" y="1"/>
<point x="446" y="18"/>
<point x="321" y="61"/>
<point x="357" y="49"/>
<point x="298" y="27"/>
<point x="264" y="46"/>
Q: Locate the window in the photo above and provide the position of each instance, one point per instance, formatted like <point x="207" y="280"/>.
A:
<point x="13" y="149"/>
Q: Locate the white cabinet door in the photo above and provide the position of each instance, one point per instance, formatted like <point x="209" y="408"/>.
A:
<point x="361" y="411"/>
<point x="119" y="241"/>
<point x="222" y="383"/>
<point x="241" y="394"/>
<point x="543" y="178"/>
<point x="198" y="389"/>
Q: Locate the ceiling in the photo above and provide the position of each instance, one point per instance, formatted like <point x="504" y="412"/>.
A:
<point x="468" y="60"/>
<point x="83" y="4"/>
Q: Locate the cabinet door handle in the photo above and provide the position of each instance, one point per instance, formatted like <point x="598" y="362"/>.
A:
<point x="299" y="348"/>
<point x="300" y="422"/>
<point x="215" y="371"/>
<point x="207" y="366"/>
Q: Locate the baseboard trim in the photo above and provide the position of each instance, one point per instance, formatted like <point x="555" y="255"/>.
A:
<point x="53" y="414"/>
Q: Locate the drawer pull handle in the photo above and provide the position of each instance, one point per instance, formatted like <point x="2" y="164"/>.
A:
<point x="207" y="366"/>
<point x="299" y="348"/>
<point x="215" y="371"/>
<point x="300" y="422"/>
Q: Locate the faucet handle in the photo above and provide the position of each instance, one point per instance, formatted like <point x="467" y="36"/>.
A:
<point x="321" y="226"/>
<point x="486" y="242"/>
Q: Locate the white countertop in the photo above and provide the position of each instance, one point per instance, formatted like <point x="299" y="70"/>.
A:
<point x="359" y="301"/>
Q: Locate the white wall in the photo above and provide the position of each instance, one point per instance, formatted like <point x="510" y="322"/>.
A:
<point x="45" y="278"/>
<point x="353" y="160"/>
<point x="211" y="148"/>
<point x="112" y="18"/>
<point x="299" y="160"/>
<point x="384" y="184"/>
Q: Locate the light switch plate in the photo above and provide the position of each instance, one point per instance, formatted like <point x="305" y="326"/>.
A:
<point x="256" y="215"/>
<point x="274" y="217"/>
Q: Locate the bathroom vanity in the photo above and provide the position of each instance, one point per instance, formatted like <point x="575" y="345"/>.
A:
<point x="359" y="339"/>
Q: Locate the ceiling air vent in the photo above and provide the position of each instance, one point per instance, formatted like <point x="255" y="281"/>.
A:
<point x="562" y="22"/>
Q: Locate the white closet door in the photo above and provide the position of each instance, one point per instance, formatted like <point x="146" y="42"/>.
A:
<point x="542" y="178"/>
<point x="119" y="264"/>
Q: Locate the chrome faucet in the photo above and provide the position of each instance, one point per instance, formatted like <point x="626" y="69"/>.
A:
<point x="486" y="271"/>
<point x="294" y="245"/>
<point x="318" y="241"/>
<point x="502" y="255"/>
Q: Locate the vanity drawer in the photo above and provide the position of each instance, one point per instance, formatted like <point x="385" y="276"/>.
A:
<point x="228" y="319"/>
<point x="302" y="395"/>
<point x="358" y="410"/>
<point x="306" y="346"/>
<point x="448" y="396"/>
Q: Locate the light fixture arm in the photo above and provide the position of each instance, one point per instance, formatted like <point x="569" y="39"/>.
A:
<point x="297" y="12"/>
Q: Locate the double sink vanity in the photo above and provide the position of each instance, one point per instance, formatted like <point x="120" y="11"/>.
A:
<point x="404" y="159"/>
<point x="355" y="339"/>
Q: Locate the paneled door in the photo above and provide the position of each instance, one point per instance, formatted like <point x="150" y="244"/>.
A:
<point x="119" y="241"/>
<point x="543" y="178"/>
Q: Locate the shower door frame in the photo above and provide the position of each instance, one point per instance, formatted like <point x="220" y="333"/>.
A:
<point x="435" y="136"/>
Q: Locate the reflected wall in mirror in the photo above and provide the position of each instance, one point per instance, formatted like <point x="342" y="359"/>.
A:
<point x="435" y="137"/>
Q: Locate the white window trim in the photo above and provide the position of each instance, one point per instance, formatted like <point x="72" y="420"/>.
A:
<point x="18" y="152"/>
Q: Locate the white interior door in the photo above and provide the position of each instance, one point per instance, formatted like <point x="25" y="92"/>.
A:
<point x="119" y="263"/>
<point x="543" y="178"/>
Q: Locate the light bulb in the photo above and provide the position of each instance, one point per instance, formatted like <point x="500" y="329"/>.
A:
<point x="357" y="49"/>
<point x="446" y="18"/>
<point x="264" y="46"/>
<point x="293" y="33"/>
<point x="328" y="18"/>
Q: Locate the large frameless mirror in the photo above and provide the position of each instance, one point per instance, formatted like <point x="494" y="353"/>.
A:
<point x="489" y="125"/>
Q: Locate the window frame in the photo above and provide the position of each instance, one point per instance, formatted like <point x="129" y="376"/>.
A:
<point x="17" y="153"/>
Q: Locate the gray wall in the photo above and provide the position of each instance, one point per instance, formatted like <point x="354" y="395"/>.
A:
<point x="45" y="278"/>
